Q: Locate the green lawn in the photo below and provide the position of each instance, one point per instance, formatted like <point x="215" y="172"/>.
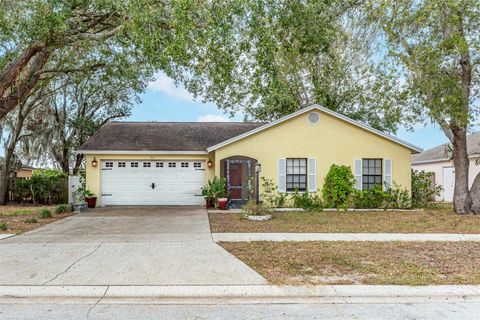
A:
<point x="428" y="221"/>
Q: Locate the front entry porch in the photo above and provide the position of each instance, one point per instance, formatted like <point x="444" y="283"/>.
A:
<point x="239" y="173"/>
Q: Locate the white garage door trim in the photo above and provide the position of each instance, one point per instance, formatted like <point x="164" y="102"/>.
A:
<point x="152" y="182"/>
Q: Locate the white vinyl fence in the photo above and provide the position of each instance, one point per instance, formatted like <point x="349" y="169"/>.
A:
<point x="73" y="185"/>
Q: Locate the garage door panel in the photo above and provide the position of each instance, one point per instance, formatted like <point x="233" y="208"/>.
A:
<point x="125" y="185"/>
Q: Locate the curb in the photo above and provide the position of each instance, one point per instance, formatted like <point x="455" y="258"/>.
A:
<point x="6" y="235"/>
<point x="259" y="293"/>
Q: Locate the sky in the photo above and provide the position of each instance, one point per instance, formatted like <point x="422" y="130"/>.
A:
<point x="164" y="101"/>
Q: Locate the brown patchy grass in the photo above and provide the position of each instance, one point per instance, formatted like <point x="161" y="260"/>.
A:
<point x="428" y="221"/>
<point x="16" y="217"/>
<point x="379" y="263"/>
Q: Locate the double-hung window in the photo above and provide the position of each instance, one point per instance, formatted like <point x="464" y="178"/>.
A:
<point x="371" y="173"/>
<point x="296" y="174"/>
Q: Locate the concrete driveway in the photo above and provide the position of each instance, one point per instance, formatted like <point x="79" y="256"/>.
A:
<point x="123" y="246"/>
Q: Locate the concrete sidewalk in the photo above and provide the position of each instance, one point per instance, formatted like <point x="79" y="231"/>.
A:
<point x="246" y="237"/>
<point x="240" y="294"/>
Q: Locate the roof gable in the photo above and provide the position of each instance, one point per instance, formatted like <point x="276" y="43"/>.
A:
<point x="323" y="109"/>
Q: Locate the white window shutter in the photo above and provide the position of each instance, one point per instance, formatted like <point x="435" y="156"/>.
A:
<point x="312" y="175"/>
<point x="282" y="175"/>
<point x="387" y="173"/>
<point x="357" y="172"/>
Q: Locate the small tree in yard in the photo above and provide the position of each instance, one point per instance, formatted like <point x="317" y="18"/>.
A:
<point x="338" y="186"/>
<point x="423" y="191"/>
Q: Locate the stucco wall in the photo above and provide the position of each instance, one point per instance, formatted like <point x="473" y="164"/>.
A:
<point x="437" y="168"/>
<point x="332" y="141"/>
<point x="93" y="174"/>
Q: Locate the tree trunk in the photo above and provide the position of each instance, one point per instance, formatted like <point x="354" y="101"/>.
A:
<point x="78" y="164"/>
<point x="475" y="194"/>
<point x="4" y="177"/>
<point x="462" y="201"/>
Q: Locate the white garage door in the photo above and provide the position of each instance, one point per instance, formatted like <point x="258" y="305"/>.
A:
<point x="147" y="182"/>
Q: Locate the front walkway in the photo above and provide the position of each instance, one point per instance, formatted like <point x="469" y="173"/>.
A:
<point x="123" y="246"/>
<point x="246" y="237"/>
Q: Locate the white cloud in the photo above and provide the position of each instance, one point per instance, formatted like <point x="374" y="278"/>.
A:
<point x="213" y="118"/>
<point x="163" y="83"/>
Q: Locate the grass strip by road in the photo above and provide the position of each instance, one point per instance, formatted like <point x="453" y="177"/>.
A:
<point x="377" y="263"/>
<point x="428" y="221"/>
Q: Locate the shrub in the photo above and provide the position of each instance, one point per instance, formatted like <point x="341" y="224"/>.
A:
<point x="338" y="186"/>
<point x="62" y="208"/>
<point x="270" y="194"/>
<point x="21" y="190"/>
<point x="251" y="208"/>
<point x="3" y="226"/>
<point x="214" y="189"/>
<point x="422" y="189"/>
<point x="45" y="213"/>
<point x="46" y="186"/>
<point x="31" y="220"/>
<point x="308" y="201"/>
<point x="369" y="199"/>
<point x="398" y="198"/>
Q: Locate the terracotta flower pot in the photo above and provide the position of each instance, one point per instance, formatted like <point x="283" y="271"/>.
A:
<point x="91" y="202"/>
<point x="222" y="203"/>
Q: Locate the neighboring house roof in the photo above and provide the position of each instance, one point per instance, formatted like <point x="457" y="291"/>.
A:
<point x="439" y="153"/>
<point x="328" y="111"/>
<point x="193" y="137"/>
<point x="163" y="136"/>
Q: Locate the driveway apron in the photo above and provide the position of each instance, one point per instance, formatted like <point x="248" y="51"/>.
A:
<point x="151" y="245"/>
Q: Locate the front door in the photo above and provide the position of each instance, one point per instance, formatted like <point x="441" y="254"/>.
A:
<point x="235" y="171"/>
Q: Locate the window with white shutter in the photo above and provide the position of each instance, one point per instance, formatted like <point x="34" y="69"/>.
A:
<point x="387" y="173"/>
<point x="312" y="175"/>
<point x="357" y="172"/>
<point x="282" y="175"/>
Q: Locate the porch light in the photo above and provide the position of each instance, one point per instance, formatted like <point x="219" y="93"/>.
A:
<point x="94" y="162"/>
<point x="209" y="163"/>
<point x="258" y="167"/>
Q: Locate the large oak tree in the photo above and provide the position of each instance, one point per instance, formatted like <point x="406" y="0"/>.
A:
<point x="433" y="53"/>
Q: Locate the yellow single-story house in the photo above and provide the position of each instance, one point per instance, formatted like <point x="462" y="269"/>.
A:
<point x="167" y="163"/>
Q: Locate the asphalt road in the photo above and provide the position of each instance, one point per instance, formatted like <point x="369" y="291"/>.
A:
<point x="392" y="311"/>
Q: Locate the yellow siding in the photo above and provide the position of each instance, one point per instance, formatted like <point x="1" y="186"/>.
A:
<point x="332" y="141"/>
<point x="93" y="174"/>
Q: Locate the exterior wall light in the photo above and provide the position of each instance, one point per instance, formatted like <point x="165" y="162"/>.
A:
<point x="94" y="162"/>
<point x="209" y="163"/>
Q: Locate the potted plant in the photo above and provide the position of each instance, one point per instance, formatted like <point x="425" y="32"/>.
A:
<point x="213" y="191"/>
<point x="90" y="198"/>
<point x="208" y="195"/>
<point x="256" y="212"/>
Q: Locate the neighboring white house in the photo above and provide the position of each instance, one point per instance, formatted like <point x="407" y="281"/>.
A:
<point x="438" y="160"/>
